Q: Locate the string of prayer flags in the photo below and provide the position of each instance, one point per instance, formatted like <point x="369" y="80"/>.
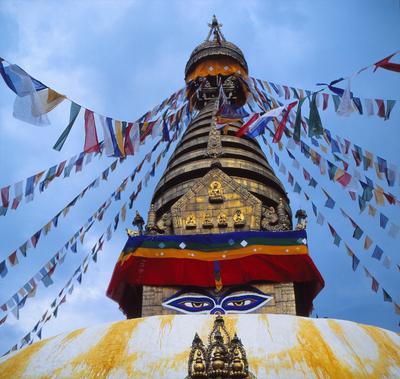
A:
<point x="320" y="219"/>
<point x="52" y="310"/>
<point x="359" y="104"/>
<point x="34" y="239"/>
<point x="60" y="170"/>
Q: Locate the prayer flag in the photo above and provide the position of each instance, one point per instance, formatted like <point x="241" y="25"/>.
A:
<point x="3" y="269"/>
<point x="383" y="220"/>
<point x="381" y="108"/>
<point x="73" y="114"/>
<point x="387" y="65"/>
<point x="367" y="243"/>
<point x="275" y="113"/>
<point x="5" y="196"/>
<point x="91" y="140"/>
<point x="314" y="121"/>
<point x="386" y="296"/>
<point x="375" y="284"/>
<point x="243" y="130"/>
<point x="389" y="106"/>
<point x="387" y="262"/>
<point x="345" y="107"/>
<point x="377" y="254"/>
<point x="355" y="262"/>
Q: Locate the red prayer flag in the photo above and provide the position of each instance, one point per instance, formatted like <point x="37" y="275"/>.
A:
<point x="60" y="168"/>
<point x="91" y="141"/>
<point x="282" y="124"/>
<point x="344" y="179"/>
<point x="246" y="126"/>
<point x="325" y="96"/>
<point x="384" y="63"/>
<point x="390" y="198"/>
<point x="5" y="196"/>
<point x="13" y="259"/>
<point x="128" y="146"/>
<point x="381" y="107"/>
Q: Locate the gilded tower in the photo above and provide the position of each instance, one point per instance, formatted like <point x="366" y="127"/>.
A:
<point x="217" y="182"/>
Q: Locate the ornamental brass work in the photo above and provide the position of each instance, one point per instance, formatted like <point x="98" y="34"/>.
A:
<point x="222" y="221"/>
<point x="238" y="218"/>
<point x="223" y="358"/>
<point x="190" y="222"/>
<point x="216" y="192"/>
<point x="207" y="222"/>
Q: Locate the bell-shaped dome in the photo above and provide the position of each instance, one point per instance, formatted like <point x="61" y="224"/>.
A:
<point x="217" y="49"/>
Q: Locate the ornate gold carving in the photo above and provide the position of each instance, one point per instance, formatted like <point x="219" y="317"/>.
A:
<point x="238" y="218"/>
<point x="207" y="223"/>
<point x="282" y="215"/>
<point x="216" y="192"/>
<point x="236" y="196"/>
<point x="214" y="146"/>
<point x="273" y="220"/>
<point x="164" y="225"/>
<point x="222" y="220"/>
<point x="190" y="222"/>
<point x="222" y="358"/>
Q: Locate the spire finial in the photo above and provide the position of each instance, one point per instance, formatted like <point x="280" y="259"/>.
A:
<point x="215" y="30"/>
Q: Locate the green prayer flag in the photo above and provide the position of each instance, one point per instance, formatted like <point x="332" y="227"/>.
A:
<point x="389" y="106"/>
<point x="314" y="120"/>
<point x="73" y="114"/>
<point x="336" y="101"/>
<point x="297" y="122"/>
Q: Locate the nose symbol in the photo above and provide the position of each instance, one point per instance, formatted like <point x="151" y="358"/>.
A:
<point x="217" y="311"/>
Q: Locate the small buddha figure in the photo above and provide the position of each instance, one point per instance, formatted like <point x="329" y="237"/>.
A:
<point x="222" y="221"/>
<point x="238" y="218"/>
<point x="207" y="223"/>
<point x="215" y="192"/>
<point x="190" y="222"/>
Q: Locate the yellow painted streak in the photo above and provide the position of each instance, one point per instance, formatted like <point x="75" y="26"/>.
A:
<point x="388" y="355"/>
<point x="221" y="255"/>
<point x="71" y="336"/>
<point x="310" y="354"/>
<point x="108" y="354"/>
<point x="15" y="366"/>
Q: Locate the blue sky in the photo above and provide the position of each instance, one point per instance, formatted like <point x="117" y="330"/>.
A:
<point x="120" y="58"/>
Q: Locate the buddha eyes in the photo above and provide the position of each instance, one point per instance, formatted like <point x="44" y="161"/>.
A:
<point x="244" y="302"/>
<point x="239" y="302"/>
<point x="190" y="304"/>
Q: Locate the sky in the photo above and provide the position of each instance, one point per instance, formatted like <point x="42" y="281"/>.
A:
<point x="121" y="58"/>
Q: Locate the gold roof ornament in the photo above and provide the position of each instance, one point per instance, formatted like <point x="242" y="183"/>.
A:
<point x="223" y="358"/>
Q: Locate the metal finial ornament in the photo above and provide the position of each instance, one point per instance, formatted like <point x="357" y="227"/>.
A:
<point x="223" y="358"/>
<point x="301" y="216"/>
<point x="138" y="222"/>
<point x="215" y="30"/>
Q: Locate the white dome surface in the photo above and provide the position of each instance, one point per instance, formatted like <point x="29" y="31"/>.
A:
<point x="277" y="346"/>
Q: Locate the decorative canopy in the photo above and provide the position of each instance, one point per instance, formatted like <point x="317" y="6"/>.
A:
<point x="217" y="48"/>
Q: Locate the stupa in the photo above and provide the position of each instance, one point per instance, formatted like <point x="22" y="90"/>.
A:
<point x="219" y="283"/>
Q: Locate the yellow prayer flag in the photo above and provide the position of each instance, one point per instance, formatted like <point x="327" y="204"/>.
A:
<point x="120" y="140"/>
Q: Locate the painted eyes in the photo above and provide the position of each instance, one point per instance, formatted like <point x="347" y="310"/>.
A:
<point x="190" y="304"/>
<point x="239" y="302"/>
<point x="243" y="303"/>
